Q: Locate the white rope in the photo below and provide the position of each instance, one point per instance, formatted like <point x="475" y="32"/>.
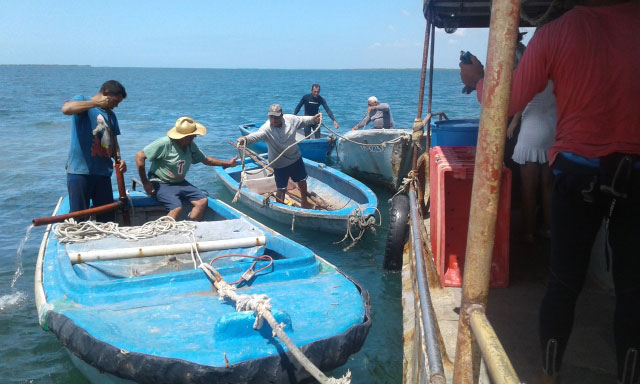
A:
<point x="71" y="232"/>
<point x="261" y="307"/>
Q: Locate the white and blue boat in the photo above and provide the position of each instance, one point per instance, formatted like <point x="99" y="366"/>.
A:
<point x="380" y="156"/>
<point x="341" y="200"/>
<point x="313" y="149"/>
<point x="158" y="320"/>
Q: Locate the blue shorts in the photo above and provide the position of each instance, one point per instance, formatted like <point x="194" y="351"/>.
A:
<point x="294" y="171"/>
<point x="84" y="189"/>
<point x="171" y="195"/>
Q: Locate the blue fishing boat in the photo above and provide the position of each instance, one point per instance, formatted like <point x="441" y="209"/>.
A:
<point x="139" y="311"/>
<point x="379" y="156"/>
<point x="312" y="149"/>
<point x="341" y="202"/>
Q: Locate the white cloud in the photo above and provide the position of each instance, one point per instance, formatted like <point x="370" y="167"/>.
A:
<point x="375" y="45"/>
<point x="391" y="28"/>
<point x="453" y="41"/>
<point x="405" y="12"/>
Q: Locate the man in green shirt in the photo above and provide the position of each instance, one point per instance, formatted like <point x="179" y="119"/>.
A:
<point x="171" y="156"/>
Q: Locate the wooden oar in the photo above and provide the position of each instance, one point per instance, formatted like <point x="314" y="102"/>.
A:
<point x="73" y="215"/>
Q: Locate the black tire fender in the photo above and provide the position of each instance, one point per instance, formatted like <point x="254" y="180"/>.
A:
<point x="398" y="232"/>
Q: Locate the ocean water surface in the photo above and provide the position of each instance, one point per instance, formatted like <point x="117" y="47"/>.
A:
<point x="34" y="145"/>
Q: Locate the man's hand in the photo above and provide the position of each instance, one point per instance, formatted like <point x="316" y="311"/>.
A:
<point x="370" y="108"/>
<point x="335" y="125"/>
<point x="317" y="118"/>
<point x="148" y="187"/>
<point x="470" y="74"/>
<point x="123" y="166"/>
<point x="103" y="102"/>
<point x="355" y="128"/>
<point x="231" y="163"/>
<point x="242" y="141"/>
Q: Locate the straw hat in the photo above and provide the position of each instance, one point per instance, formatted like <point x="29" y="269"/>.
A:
<point x="186" y="126"/>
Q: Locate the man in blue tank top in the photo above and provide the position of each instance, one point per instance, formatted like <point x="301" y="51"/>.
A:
<point x="312" y="102"/>
<point x="93" y="145"/>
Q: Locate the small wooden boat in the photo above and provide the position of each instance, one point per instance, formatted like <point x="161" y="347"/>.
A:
<point x="340" y="202"/>
<point x="312" y="149"/>
<point x="158" y="320"/>
<point x="364" y="154"/>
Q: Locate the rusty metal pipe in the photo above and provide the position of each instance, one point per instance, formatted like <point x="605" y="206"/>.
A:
<point x="436" y="369"/>
<point x="505" y="16"/>
<point x="495" y="357"/>
<point x="423" y="75"/>
<point x="84" y="213"/>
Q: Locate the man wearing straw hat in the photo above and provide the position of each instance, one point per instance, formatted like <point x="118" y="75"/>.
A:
<point x="171" y="156"/>
<point x="279" y="132"/>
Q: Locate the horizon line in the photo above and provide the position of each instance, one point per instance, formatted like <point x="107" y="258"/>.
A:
<point x="238" y="68"/>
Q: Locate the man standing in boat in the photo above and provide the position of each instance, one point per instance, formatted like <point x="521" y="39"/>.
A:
<point x="171" y="156"/>
<point x="379" y="113"/>
<point x="312" y="102"/>
<point x="591" y="55"/>
<point x="279" y="132"/>
<point x="93" y="145"/>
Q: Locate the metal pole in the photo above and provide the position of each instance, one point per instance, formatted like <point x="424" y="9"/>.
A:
<point x="505" y="16"/>
<point x="495" y="357"/>
<point x="423" y="75"/>
<point x="436" y="369"/>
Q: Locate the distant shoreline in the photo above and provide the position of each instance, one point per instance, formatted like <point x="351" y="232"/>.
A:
<point x="232" y="69"/>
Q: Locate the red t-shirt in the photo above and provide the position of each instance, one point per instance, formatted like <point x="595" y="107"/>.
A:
<point x="592" y="54"/>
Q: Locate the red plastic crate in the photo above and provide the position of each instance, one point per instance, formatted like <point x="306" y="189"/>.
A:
<point x="450" y="182"/>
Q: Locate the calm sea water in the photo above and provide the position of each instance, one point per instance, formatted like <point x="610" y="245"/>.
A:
<point x="35" y="140"/>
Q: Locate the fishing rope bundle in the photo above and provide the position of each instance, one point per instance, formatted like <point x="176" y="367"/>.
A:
<point x="261" y="307"/>
<point x="357" y="219"/>
<point x="70" y="231"/>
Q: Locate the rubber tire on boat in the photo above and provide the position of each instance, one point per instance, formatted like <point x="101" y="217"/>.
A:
<point x="398" y="232"/>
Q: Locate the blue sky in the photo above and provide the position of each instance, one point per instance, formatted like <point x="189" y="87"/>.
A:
<point x="328" y="34"/>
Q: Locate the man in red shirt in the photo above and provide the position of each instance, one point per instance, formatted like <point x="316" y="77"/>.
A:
<point x="591" y="54"/>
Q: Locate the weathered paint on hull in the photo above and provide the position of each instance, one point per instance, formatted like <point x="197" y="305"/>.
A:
<point x="381" y="164"/>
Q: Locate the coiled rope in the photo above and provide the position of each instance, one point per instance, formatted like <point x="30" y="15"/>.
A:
<point x="70" y="231"/>
<point x="357" y="219"/>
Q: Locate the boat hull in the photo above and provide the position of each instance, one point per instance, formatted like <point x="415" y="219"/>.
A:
<point x="343" y="191"/>
<point x="384" y="165"/>
<point x="314" y="149"/>
<point x="171" y="327"/>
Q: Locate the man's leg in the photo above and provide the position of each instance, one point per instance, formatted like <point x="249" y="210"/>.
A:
<point x="195" y="197"/>
<point x="303" y="194"/>
<point x="168" y="196"/>
<point x="299" y="175"/>
<point x="281" y="176"/>
<point x="574" y="225"/>
<point x="199" y="207"/>
<point x="624" y="238"/>
<point x="102" y="194"/>
<point x="77" y="188"/>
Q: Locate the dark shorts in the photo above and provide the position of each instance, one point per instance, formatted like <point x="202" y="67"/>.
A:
<point x="171" y="195"/>
<point x="294" y="171"/>
<point x="86" y="189"/>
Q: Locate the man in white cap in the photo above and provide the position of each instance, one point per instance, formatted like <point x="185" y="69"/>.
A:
<point x="279" y="132"/>
<point x="171" y="156"/>
<point x="379" y="113"/>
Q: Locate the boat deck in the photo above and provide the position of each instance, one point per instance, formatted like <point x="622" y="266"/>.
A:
<point x="513" y="313"/>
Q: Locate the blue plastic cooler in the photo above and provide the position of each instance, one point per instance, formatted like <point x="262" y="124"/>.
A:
<point x="454" y="133"/>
